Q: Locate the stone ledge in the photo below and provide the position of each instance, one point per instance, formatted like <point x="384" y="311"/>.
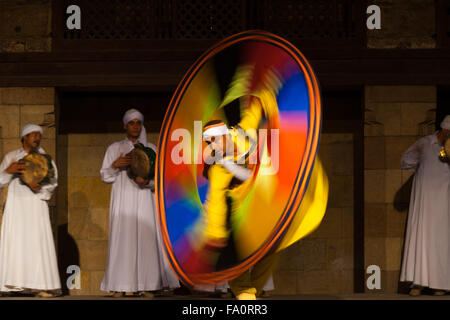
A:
<point x="28" y="96"/>
<point x="400" y="94"/>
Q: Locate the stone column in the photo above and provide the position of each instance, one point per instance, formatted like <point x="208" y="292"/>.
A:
<point x="395" y="117"/>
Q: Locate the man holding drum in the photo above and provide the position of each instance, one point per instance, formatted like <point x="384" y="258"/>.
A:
<point x="136" y="262"/>
<point x="426" y="258"/>
<point x="27" y="251"/>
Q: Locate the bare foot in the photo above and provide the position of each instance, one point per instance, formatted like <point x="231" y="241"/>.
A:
<point x="44" y="294"/>
<point x="439" y="292"/>
<point x="414" y="292"/>
<point x="146" y="294"/>
<point x="117" y="294"/>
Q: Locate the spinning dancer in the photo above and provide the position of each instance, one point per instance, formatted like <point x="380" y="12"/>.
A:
<point x="229" y="171"/>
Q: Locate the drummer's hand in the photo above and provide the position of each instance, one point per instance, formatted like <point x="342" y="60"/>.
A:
<point x="15" y="167"/>
<point x="141" y="181"/>
<point x="35" y="186"/>
<point x="122" y="162"/>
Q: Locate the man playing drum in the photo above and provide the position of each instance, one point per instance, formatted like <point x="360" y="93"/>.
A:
<point x="27" y="251"/>
<point x="427" y="247"/>
<point x="136" y="262"/>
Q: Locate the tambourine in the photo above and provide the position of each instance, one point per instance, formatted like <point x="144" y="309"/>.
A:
<point x="38" y="169"/>
<point x="142" y="162"/>
<point x="444" y="153"/>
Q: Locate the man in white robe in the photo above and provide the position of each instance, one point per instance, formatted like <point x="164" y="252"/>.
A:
<point x="136" y="261"/>
<point x="27" y="251"/>
<point x="426" y="258"/>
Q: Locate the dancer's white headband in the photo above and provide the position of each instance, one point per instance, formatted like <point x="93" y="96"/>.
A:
<point x="215" y="130"/>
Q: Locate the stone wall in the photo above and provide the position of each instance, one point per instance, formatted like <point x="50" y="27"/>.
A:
<point x="396" y="116"/>
<point x="405" y="24"/>
<point x="323" y="261"/>
<point x="86" y="213"/>
<point x="25" y="25"/>
<point x="19" y="106"/>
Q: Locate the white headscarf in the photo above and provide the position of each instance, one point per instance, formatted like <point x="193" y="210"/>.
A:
<point x="29" y="128"/>
<point x="135" y="114"/>
<point x="445" y="124"/>
<point x="219" y="129"/>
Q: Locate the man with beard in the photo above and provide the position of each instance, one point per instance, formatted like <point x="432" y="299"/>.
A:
<point x="27" y="251"/>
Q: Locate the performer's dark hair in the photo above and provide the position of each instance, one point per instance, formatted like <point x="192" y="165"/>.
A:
<point x="212" y="122"/>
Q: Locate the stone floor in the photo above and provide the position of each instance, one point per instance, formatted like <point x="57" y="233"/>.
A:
<point x="355" y="296"/>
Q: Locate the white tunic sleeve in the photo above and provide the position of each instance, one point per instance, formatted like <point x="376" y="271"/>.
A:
<point x="47" y="190"/>
<point x="108" y="173"/>
<point x="5" y="178"/>
<point x="411" y="157"/>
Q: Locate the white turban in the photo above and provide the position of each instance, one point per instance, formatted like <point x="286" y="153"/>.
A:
<point x="214" y="130"/>
<point x="445" y="124"/>
<point x="135" y="114"/>
<point x="29" y="128"/>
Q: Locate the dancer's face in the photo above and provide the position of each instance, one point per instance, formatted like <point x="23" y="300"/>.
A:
<point x="218" y="144"/>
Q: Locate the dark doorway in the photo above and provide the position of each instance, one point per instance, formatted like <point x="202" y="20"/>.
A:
<point x="96" y="112"/>
<point x="343" y="112"/>
<point x="443" y="105"/>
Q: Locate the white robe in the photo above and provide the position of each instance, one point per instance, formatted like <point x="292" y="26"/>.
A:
<point x="136" y="260"/>
<point x="27" y="250"/>
<point x="426" y="258"/>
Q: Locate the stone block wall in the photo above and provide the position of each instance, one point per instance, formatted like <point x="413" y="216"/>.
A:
<point x="405" y="24"/>
<point x="395" y="117"/>
<point x="323" y="261"/>
<point x="25" y="26"/>
<point x="19" y="106"/>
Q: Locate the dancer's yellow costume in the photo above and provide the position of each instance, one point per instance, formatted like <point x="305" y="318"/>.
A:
<point x="230" y="178"/>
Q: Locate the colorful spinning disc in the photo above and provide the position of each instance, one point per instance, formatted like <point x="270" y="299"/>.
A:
<point x="219" y="85"/>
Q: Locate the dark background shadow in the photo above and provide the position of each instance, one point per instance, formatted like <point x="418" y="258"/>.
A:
<point x="401" y="203"/>
<point x="68" y="254"/>
<point x="67" y="250"/>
